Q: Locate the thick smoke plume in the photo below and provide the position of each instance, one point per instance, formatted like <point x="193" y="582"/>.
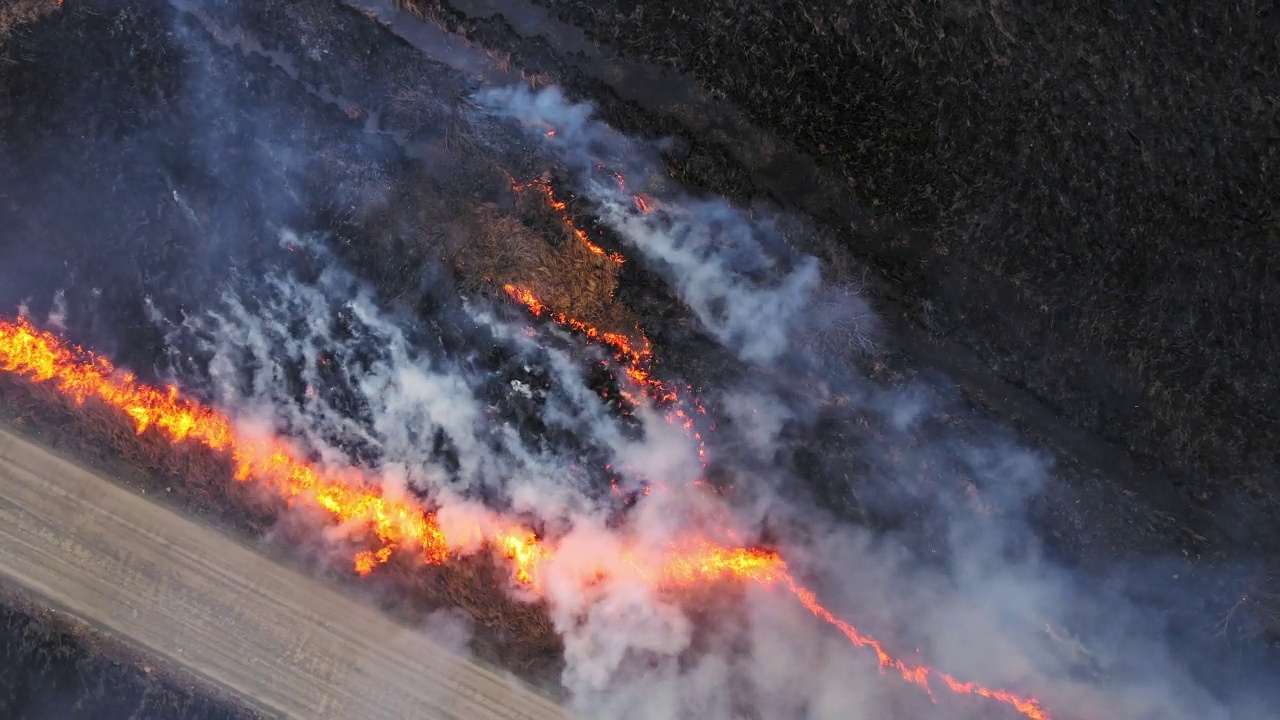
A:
<point x="477" y="408"/>
<point x="323" y="362"/>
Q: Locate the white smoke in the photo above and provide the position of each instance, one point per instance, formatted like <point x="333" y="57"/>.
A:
<point x="993" y="610"/>
<point x="631" y="650"/>
<point x="732" y="269"/>
<point x="325" y="363"/>
<point x="58" y="313"/>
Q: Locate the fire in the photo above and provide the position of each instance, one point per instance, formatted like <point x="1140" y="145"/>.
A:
<point x="562" y="209"/>
<point x="367" y="560"/>
<point x="920" y="675"/>
<point x="397" y="523"/>
<point x="526" y="553"/>
<point x="706" y="562"/>
<point x="643" y="203"/>
<point x="402" y="524"/>
<point x="636" y="358"/>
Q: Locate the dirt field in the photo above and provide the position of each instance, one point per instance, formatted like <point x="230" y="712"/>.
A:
<point x="283" y="642"/>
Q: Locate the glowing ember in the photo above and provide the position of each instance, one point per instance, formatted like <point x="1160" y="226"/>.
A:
<point x="643" y="204"/>
<point x="402" y="524"/>
<point x="562" y="209"/>
<point x="635" y="360"/>
<point x="272" y="463"/>
<point x="634" y="357"/>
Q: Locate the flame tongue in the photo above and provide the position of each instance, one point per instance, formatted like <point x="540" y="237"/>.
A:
<point x="562" y="210"/>
<point x="403" y="524"/>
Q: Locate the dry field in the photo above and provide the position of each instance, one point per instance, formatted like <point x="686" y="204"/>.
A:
<point x="198" y="600"/>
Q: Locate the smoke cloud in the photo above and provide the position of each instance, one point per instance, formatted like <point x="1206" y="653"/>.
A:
<point x="475" y="409"/>
<point x="321" y="362"/>
<point x="732" y="268"/>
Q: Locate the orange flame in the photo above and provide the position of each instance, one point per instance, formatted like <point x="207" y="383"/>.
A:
<point x="643" y="204"/>
<point x="709" y="563"/>
<point x="916" y="674"/>
<point x="635" y="360"/>
<point x="399" y="523"/>
<point x="562" y="209"/>
<point x="403" y="524"/>
<point x="634" y="357"/>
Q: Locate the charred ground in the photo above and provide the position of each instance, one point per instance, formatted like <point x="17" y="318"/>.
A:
<point x="56" y="668"/>
<point x="1080" y="198"/>
<point x="1053" y="225"/>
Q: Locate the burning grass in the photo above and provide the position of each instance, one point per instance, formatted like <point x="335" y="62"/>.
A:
<point x="1093" y="239"/>
<point x="198" y="480"/>
<point x="1178" y="381"/>
<point x="410" y="530"/>
<point x="568" y="277"/>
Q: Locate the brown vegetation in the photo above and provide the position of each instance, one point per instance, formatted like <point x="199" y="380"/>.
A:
<point x="566" y="276"/>
<point x="523" y="241"/>
<point x="15" y="13"/>
<point x="1078" y="199"/>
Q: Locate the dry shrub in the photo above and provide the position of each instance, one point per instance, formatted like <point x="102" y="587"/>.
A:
<point x="14" y="13"/>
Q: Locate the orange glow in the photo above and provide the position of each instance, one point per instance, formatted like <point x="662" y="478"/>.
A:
<point x="349" y="500"/>
<point x="635" y="358"/>
<point x="643" y="204"/>
<point x="526" y="553"/>
<point x="562" y="209"/>
<point x="706" y="562"/>
<point x="402" y="524"/>
<point x="367" y="560"/>
<point x="916" y="674"/>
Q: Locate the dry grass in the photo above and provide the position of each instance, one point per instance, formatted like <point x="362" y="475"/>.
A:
<point x="430" y="12"/>
<point x="448" y="20"/>
<point x="567" y="277"/>
<point x="515" y="634"/>
<point x="15" y="13"/>
<point x="525" y="244"/>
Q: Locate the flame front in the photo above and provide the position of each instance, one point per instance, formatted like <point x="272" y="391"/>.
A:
<point x="270" y="462"/>
<point x="635" y="358"/>
<point x="403" y="524"/>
